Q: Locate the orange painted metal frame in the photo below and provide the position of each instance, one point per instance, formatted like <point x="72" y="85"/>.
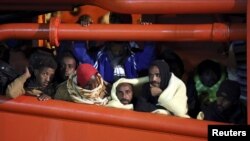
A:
<point x="25" y="113"/>
<point x="25" y="118"/>
<point x="134" y="6"/>
<point x="156" y="32"/>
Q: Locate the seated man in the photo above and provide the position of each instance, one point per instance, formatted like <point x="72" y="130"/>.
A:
<point x="117" y="59"/>
<point x="38" y="83"/>
<point x="84" y="86"/>
<point x="164" y="94"/>
<point x="67" y="66"/>
<point x="123" y="93"/>
<point x="203" y="85"/>
<point x="227" y="107"/>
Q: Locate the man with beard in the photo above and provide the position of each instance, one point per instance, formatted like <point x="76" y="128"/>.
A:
<point x="164" y="94"/>
<point x="124" y="92"/>
<point x="227" y="107"/>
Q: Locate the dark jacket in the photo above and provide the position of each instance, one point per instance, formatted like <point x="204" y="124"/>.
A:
<point x="236" y="115"/>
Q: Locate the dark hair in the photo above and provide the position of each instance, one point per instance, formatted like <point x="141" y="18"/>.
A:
<point x="119" y="18"/>
<point x="41" y="58"/>
<point x="174" y="61"/>
<point x="209" y="65"/>
<point x="22" y="48"/>
<point x="83" y="18"/>
<point x="64" y="54"/>
<point x="4" y="51"/>
<point x="210" y="72"/>
<point x="229" y="89"/>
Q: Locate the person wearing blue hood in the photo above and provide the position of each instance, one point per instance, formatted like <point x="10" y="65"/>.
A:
<point x="117" y="59"/>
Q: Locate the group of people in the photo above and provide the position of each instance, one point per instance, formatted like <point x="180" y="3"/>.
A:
<point x="125" y="75"/>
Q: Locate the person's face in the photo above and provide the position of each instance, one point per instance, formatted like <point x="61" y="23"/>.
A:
<point x="117" y="49"/>
<point x="208" y="78"/>
<point x="92" y="83"/>
<point x="223" y="104"/>
<point x="18" y="61"/>
<point x="124" y="93"/>
<point x="154" y="76"/>
<point x="44" y="76"/>
<point x="68" y="67"/>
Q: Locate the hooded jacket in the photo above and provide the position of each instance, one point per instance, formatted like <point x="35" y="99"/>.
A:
<point x="133" y="63"/>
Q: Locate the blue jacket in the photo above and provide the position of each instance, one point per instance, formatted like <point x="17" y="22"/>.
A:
<point x="135" y="62"/>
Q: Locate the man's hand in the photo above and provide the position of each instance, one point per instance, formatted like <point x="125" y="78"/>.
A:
<point x="145" y="23"/>
<point x="43" y="97"/>
<point x="155" y="91"/>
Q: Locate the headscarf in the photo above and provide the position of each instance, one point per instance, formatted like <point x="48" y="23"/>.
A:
<point x="81" y="95"/>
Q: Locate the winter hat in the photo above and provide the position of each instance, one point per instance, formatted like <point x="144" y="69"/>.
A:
<point x="230" y="90"/>
<point x="84" y="73"/>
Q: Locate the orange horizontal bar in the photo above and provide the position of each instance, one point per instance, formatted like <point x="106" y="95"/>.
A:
<point x="24" y="31"/>
<point x="134" y="6"/>
<point x="157" y="32"/>
<point x="54" y="109"/>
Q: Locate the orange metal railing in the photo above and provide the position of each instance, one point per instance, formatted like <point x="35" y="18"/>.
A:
<point x="133" y="6"/>
<point x="19" y="116"/>
<point x="157" y="32"/>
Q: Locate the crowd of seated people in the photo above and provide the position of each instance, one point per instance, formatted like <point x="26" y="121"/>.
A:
<point x="137" y="79"/>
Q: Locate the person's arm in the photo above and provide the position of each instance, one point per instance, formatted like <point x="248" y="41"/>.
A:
<point x="146" y="56"/>
<point x="80" y="52"/>
<point x="143" y="104"/>
<point x="39" y="94"/>
<point x="16" y="88"/>
<point x="174" y="97"/>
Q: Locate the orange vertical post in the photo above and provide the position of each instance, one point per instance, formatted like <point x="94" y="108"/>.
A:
<point x="40" y="20"/>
